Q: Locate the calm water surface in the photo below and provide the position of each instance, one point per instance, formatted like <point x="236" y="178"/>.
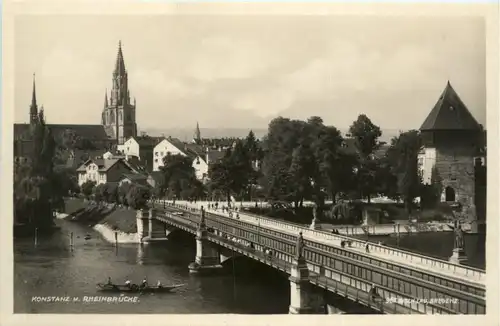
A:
<point x="52" y="269"/>
<point x="439" y="245"/>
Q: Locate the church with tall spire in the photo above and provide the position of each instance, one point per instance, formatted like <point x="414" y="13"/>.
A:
<point x="118" y="113"/>
<point x="118" y="122"/>
<point x="33" y="106"/>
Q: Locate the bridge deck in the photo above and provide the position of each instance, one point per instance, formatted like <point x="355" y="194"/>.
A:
<point x="322" y="237"/>
<point x="356" y="290"/>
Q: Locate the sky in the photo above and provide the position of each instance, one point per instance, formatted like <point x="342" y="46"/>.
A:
<point x="242" y="71"/>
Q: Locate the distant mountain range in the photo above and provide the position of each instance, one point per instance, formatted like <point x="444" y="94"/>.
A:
<point x="186" y="134"/>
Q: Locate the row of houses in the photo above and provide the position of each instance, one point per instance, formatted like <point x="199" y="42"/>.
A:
<point x="140" y="159"/>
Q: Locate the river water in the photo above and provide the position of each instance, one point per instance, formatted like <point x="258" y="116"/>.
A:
<point x="53" y="269"/>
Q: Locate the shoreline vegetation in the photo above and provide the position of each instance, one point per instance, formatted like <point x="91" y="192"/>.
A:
<point x="114" y="223"/>
<point x="297" y="161"/>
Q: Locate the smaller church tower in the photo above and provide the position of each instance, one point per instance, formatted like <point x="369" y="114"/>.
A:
<point x="33" y="106"/>
<point x="452" y="141"/>
<point x="197" y="134"/>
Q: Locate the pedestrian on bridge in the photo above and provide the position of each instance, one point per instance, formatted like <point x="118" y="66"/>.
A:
<point x="367" y="248"/>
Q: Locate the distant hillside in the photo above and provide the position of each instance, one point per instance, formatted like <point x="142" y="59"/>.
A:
<point x="186" y="134"/>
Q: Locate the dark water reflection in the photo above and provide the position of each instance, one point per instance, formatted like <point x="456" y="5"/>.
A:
<point x="52" y="269"/>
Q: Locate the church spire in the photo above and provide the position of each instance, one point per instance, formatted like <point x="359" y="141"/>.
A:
<point x="197" y="133"/>
<point x="33" y="106"/>
<point x="120" y="63"/>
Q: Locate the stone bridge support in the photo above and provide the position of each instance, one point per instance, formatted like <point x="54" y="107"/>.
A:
<point x="150" y="229"/>
<point x="300" y="288"/>
<point x="207" y="256"/>
<point x="303" y="298"/>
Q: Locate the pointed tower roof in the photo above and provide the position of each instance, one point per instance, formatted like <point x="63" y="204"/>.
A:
<point x="120" y="63"/>
<point x="106" y="99"/>
<point x="450" y="113"/>
<point x="33" y="96"/>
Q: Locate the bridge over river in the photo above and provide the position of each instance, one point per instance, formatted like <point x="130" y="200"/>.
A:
<point x="406" y="283"/>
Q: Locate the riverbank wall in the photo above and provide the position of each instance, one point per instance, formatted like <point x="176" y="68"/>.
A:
<point x="116" y="224"/>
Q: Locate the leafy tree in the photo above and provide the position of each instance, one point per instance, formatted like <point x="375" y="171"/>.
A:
<point x="403" y="154"/>
<point x="335" y="166"/>
<point x="255" y="155"/>
<point x="65" y="180"/>
<point x="99" y="192"/>
<point x="112" y="193"/>
<point x="138" y="196"/>
<point x="300" y="175"/>
<point x="35" y="195"/>
<point x="87" y="188"/>
<point x="284" y="135"/>
<point x="123" y="190"/>
<point x="178" y="175"/>
<point x="233" y="173"/>
<point x="366" y="136"/>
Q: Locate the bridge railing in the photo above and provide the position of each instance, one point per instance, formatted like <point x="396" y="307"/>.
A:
<point x="361" y="244"/>
<point x="331" y="279"/>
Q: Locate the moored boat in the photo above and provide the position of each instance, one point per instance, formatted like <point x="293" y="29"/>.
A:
<point x="135" y="288"/>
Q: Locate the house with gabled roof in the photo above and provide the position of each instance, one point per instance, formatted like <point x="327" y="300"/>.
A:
<point x="102" y="170"/>
<point x="141" y="147"/>
<point x="164" y="147"/>
<point x="452" y="147"/>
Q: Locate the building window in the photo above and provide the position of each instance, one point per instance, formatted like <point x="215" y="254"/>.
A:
<point x="156" y="160"/>
<point x="156" y="153"/>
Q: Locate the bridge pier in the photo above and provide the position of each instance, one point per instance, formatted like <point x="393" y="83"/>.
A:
<point x="207" y="257"/>
<point x="300" y="288"/>
<point x="153" y="230"/>
<point x="142" y="231"/>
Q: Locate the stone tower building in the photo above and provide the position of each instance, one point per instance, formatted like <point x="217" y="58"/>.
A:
<point x="118" y="115"/>
<point x="453" y="145"/>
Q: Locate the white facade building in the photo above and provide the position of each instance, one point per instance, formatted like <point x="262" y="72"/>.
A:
<point x="200" y="168"/>
<point x="130" y="147"/>
<point x="161" y="150"/>
<point x="426" y="162"/>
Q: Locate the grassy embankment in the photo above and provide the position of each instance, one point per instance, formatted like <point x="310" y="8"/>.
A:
<point x="111" y="215"/>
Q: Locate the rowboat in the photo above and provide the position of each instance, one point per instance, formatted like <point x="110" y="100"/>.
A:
<point x="135" y="288"/>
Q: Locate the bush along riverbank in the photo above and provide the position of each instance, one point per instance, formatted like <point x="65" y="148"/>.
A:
<point x="114" y="223"/>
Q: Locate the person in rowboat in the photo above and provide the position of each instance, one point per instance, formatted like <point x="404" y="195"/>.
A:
<point x="127" y="283"/>
<point x="144" y="283"/>
<point x="159" y="285"/>
<point x="109" y="281"/>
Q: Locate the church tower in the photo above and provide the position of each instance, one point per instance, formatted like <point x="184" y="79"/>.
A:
<point x="197" y="134"/>
<point x="118" y="115"/>
<point x="33" y="106"/>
